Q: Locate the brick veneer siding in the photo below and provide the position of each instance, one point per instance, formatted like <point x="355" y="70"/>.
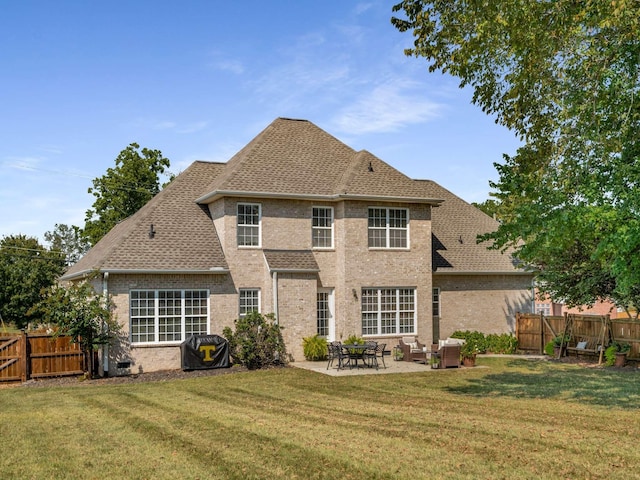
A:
<point x="486" y="303"/>
<point x="347" y="268"/>
<point x="148" y="358"/>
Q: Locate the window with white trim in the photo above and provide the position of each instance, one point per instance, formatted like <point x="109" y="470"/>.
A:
<point x="388" y="227"/>
<point x="543" y="308"/>
<point x="167" y="316"/>
<point x="249" y="300"/>
<point x="435" y="302"/>
<point x="248" y="224"/>
<point x="322" y="227"/>
<point x="324" y="313"/>
<point x="388" y="311"/>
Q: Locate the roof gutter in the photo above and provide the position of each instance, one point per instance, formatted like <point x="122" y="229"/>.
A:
<point x="124" y="271"/>
<point x="215" y="195"/>
<point x="491" y="272"/>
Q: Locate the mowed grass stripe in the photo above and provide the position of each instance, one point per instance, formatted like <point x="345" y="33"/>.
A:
<point x="504" y="421"/>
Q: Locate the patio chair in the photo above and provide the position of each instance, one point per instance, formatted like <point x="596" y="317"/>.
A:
<point x="369" y="356"/>
<point x="377" y="353"/>
<point x="412" y="349"/>
<point x="335" y="351"/>
<point x="449" y="352"/>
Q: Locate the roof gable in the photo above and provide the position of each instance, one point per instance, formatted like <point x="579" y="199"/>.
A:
<point x="184" y="240"/>
<point x="455" y="224"/>
<point x="295" y="158"/>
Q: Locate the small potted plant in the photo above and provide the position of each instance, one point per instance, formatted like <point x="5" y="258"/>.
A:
<point x="616" y="354"/>
<point x="468" y="352"/>
<point x="434" y="361"/>
<point x="398" y="354"/>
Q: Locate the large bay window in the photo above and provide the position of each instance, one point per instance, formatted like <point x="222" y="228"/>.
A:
<point x="388" y="311"/>
<point x="168" y="316"/>
<point x="388" y="227"/>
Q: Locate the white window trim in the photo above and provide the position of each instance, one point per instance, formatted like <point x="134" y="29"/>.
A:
<point x="388" y="229"/>
<point x="259" y="205"/>
<point x="156" y="314"/>
<point x="329" y="292"/>
<point x="436" y="293"/>
<point x="331" y="247"/>
<point x="240" y="291"/>
<point x="397" y="311"/>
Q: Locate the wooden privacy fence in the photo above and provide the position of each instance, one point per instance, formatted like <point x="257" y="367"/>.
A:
<point x="534" y="331"/>
<point x="38" y="355"/>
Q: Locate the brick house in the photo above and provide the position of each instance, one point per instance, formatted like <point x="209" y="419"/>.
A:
<point x="331" y="240"/>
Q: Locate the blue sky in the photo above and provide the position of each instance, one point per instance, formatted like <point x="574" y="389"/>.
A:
<point x="198" y="80"/>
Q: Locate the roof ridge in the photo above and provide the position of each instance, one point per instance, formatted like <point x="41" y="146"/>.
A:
<point x="237" y="160"/>
<point x="348" y="173"/>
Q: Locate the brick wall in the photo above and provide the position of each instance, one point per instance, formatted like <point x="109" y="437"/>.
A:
<point x="348" y="268"/>
<point x="486" y="303"/>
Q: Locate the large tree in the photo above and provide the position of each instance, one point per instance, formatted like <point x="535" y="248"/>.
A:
<point x="123" y="190"/>
<point x="68" y="240"/>
<point x="26" y="268"/>
<point x="565" y="77"/>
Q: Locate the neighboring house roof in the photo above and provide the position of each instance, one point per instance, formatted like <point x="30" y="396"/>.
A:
<point x="185" y="239"/>
<point x="455" y="224"/>
<point x="297" y="159"/>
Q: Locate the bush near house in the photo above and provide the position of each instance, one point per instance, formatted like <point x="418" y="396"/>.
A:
<point x="504" y="343"/>
<point x="314" y="348"/>
<point x="257" y="341"/>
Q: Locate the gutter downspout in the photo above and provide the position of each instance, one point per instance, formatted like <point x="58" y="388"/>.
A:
<point x="275" y="296"/>
<point x="105" y="347"/>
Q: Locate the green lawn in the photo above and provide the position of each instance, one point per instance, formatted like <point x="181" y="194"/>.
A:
<point x="516" y="419"/>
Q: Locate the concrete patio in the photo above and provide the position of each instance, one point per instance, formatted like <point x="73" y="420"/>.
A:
<point x="392" y="367"/>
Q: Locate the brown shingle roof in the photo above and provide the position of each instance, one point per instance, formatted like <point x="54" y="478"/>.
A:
<point x="291" y="261"/>
<point x="185" y="238"/>
<point x="455" y="224"/>
<point x="292" y="158"/>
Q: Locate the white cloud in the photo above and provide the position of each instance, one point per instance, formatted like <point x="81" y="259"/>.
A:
<point x="229" y="65"/>
<point x="386" y="108"/>
<point x="193" y="127"/>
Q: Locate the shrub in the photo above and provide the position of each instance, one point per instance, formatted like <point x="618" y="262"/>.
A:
<point x="504" y="343"/>
<point x="257" y="341"/>
<point x="548" y="348"/>
<point x="354" y="340"/>
<point x="314" y="348"/>
<point x="476" y="340"/>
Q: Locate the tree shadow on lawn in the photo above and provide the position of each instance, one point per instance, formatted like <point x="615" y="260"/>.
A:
<point x="543" y="379"/>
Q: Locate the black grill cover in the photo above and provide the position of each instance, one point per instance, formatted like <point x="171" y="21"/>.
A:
<point x="201" y="352"/>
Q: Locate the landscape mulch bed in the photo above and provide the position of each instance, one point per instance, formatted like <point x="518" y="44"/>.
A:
<point x="161" y="376"/>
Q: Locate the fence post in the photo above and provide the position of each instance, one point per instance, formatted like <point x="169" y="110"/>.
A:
<point x="24" y="373"/>
<point x="541" y="333"/>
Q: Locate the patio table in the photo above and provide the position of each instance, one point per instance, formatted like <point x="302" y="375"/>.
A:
<point x="356" y="352"/>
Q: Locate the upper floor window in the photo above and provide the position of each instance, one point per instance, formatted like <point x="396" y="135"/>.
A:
<point x="249" y="301"/>
<point x="388" y="227"/>
<point x="322" y="227"/>
<point x="249" y="216"/>
<point x="158" y="316"/>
